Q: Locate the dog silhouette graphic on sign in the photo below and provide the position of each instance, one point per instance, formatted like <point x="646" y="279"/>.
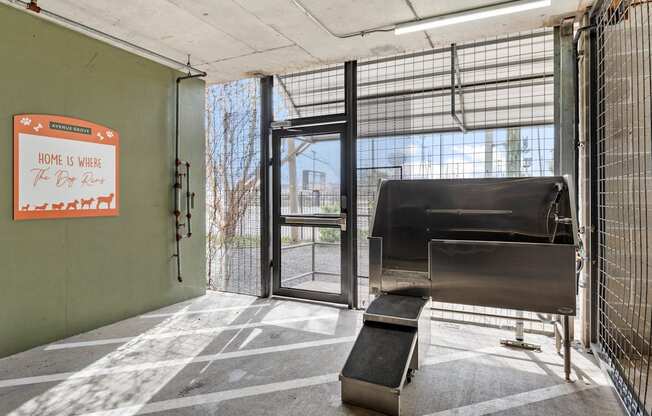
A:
<point x="58" y="206"/>
<point x="41" y="207"/>
<point x="86" y="203"/>
<point x="104" y="200"/>
<point x="72" y="205"/>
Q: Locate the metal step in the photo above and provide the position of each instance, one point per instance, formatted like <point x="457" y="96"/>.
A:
<point x="407" y="311"/>
<point x="396" y="309"/>
<point x="378" y="366"/>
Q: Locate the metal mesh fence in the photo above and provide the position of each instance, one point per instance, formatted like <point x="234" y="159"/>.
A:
<point x="624" y="103"/>
<point x="489" y="84"/>
<point x="311" y="93"/>
<point x="478" y="109"/>
<point x="233" y="187"/>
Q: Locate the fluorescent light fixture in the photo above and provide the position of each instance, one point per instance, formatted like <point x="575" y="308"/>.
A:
<point x="487" y="12"/>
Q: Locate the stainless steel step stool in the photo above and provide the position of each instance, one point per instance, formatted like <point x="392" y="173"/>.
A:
<point x="390" y="347"/>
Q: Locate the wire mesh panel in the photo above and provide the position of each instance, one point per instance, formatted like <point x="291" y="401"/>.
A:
<point x="369" y="178"/>
<point x="478" y="109"/>
<point x="316" y="92"/>
<point x="233" y="187"/>
<point x="494" y="83"/>
<point x="472" y="110"/>
<point x="624" y="165"/>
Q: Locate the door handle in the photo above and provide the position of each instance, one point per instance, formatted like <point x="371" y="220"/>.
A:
<point x="316" y="221"/>
<point x="342" y="221"/>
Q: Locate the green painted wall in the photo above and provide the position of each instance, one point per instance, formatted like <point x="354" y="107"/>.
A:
<point x="62" y="277"/>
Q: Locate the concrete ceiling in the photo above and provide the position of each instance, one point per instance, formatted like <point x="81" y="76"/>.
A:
<point x="234" y="39"/>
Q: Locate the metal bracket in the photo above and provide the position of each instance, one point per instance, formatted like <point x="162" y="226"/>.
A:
<point x="566" y="26"/>
<point x="280" y="125"/>
<point x="342" y="221"/>
<point x="520" y="344"/>
<point x="456" y="89"/>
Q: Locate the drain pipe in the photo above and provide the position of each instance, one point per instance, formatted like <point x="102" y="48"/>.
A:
<point x="576" y="75"/>
<point x="178" y="182"/>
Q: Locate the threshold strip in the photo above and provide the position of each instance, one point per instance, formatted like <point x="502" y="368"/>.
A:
<point x="170" y="363"/>
<point x="174" y="334"/>
<point x="203" y="311"/>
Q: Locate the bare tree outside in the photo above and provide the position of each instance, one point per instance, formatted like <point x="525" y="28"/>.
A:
<point x="232" y="174"/>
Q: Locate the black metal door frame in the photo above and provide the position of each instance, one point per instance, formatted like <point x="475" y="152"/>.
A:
<point x="266" y="118"/>
<point x="270" y="212"/>
<point x="279" y="220"/>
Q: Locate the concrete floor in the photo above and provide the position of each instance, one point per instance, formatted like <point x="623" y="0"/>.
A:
<point x="225" y="354"/>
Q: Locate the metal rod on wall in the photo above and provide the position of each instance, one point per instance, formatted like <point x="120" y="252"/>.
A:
<point x="178" y="178"/>
<point x="190" y="200"/>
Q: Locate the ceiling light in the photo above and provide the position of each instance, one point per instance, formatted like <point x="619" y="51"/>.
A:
<point x="470" y="15"/>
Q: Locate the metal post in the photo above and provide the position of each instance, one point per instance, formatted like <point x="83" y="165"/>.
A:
<point x="350" y="264"/>
<point x="312" y="247"/>
<point x="275" y="186"/>
<point x="519" y="327"/>
<point x="592" y="226"/>
<point x="565" y="140"/>
<point x="567" y="348"/>
<point x="583" y="180"/>
<point x="488" y="153"/>
<point x="292" y="182"/>
<point x="454" y="71"/>
<point x="519" y="338"/>
<point x="266" y="118"/>
<point x="453" y="80"/>
<point x="565" y="101"/>
<point x="558" y="334"/>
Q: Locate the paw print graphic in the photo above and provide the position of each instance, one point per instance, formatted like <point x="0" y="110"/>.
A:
<point x="25" y="121"/>
<point x="109" y="134"/>
<point x="99" y="136"/>
<point x="38" y="127"/>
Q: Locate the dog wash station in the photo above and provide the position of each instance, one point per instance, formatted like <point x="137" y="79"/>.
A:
<point x="505" y="243"/>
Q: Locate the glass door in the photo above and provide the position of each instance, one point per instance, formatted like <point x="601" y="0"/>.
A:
<point x="309" y="214"/>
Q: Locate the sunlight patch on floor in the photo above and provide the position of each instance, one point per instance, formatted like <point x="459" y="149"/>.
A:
<point x="132" y="390"/>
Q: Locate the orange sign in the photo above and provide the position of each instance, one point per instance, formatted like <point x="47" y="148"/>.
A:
<point x="64" y="168"/>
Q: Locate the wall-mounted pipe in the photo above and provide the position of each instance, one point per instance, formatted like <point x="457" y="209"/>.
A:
<point x="322" y="26"/>
<point x="178" y="183"/>
<point x="578" y="141"/>
<point x="98" y="34"/>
